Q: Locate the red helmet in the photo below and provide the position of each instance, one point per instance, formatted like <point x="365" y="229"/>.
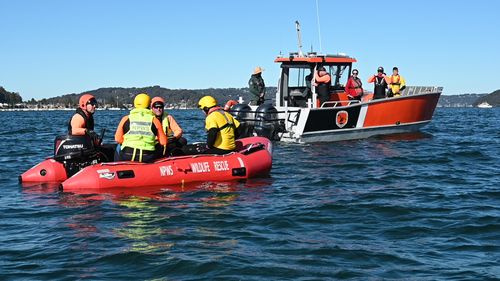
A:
<point x="156" y="99"/>
<point x="84" y="99"/>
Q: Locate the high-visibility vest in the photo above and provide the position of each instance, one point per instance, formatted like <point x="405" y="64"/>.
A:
<point x="140" y="135"/>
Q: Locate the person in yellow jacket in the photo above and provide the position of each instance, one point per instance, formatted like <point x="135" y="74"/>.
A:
<point x="396" y="83"/>
<point x="138" y="131"/>
<point x="171" y="128"/>
<point x="222" y="128"/>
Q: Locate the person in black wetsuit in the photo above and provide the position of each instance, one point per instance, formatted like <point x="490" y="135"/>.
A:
<point x="380" y="84"/>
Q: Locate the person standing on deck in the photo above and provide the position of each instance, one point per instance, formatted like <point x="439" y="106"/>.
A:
<point x="257" y="86"/>
<point x="396" y="83"/>
<point x="380" y="83"/>
<point x="322" y="81"/>
<point x="354" y="86"/>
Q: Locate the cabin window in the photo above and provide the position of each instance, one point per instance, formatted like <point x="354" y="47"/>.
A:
<point x="299" y="83"/>
<point x="297" y="77"/>
<point x="340" y="75"/>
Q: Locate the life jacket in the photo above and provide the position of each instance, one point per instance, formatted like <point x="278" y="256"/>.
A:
<point x="226" y="136"/>
<point x="380" y="86"/>
<point x="395" y="84"/>
<point x="140" y="135"/>
<point x="323" y="89"/>
<point x="397" y="80"/>
<point x="165" y="123"/>
<point x="89" y="120"/>
<point x="357" y="86"/>
<point x="380" y="81"/>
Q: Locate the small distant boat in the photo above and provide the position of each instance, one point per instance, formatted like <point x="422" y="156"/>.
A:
<point x="484" y="104"/>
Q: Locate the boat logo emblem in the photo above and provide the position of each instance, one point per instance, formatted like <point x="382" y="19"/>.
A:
<point x="107" y="175"/>
<point x="341" y="118"/>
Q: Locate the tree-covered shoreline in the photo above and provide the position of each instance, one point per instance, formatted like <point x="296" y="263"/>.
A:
<point x="119" y="97"/>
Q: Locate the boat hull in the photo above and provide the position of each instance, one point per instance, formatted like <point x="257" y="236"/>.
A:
<point x="47" y="171"/>
<point x="359" y="120"/>
<point x="254" y="160"/>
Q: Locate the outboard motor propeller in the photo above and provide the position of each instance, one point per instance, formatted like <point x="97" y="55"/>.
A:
<point x="267" y="123"/>
<point x="243" y="113"/>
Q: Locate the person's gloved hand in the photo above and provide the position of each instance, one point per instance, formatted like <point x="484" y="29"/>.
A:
<point x="94" y="137"/>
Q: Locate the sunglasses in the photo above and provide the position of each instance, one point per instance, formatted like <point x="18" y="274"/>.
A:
<point x="158" y="106"/>
<point x="92" y="102"/>
<point x="354" y="73"/>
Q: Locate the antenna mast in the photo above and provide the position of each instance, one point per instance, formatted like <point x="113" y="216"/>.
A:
<point x="319" y="28"/>
<point x="299" y="38"/>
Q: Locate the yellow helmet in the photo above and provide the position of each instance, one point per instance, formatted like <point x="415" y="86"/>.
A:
<point x="207" y="102"/>
<point x="141" y="101"/>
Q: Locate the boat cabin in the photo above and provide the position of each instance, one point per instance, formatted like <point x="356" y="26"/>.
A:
<point x="297" y="76"/>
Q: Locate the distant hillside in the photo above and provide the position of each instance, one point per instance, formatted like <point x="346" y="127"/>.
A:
<point x="118" y="97"/>
<point x="465" y="100"/>
<point x="9" y="98"/>
<point x="189" y="98"/>
<point x="493" y="99"/>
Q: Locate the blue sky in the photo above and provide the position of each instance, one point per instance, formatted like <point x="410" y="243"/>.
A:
<point x="50" y="48"/>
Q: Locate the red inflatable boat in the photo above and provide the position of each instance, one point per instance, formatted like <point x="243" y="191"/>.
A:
<point x="252" y="158"/>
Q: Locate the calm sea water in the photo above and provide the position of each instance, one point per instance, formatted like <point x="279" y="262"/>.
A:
<point x="423" y="206"/>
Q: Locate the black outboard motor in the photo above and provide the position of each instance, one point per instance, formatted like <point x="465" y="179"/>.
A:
<point x="243" y="113"/>
<point x="267" y="123"/>
<point x="76" y="152"/>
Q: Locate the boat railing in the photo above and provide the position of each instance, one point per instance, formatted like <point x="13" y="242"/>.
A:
<point x="272" y="116"/>
<point x="341" y="102"/>
<point x="416" y="90"/>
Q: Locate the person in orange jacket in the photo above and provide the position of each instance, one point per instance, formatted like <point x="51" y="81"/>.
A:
<point x="322" y="83"/>
<point x="354" y="86"/>
<point x="137" y="133"/>
<point x="171" y="128"/>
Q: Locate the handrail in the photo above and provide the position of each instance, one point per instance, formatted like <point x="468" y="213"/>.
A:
<point x="335" y="103"/>
<point x="415" y="90"/>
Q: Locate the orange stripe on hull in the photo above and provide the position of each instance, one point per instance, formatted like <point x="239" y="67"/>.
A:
<point x="402" y="110"/>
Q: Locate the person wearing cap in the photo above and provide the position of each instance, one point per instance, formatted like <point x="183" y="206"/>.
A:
<point x="354" y="86"/>
<point x="82" y="122"/>
<point x="257" y="85"/>
<point x="396" y="83"/>
<point x="138" y="132"/>
<point x="322" y="81"/>
<point x="222" y="128"/>
<point x="170" y="127"/>
<point x="380" y="83"/>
